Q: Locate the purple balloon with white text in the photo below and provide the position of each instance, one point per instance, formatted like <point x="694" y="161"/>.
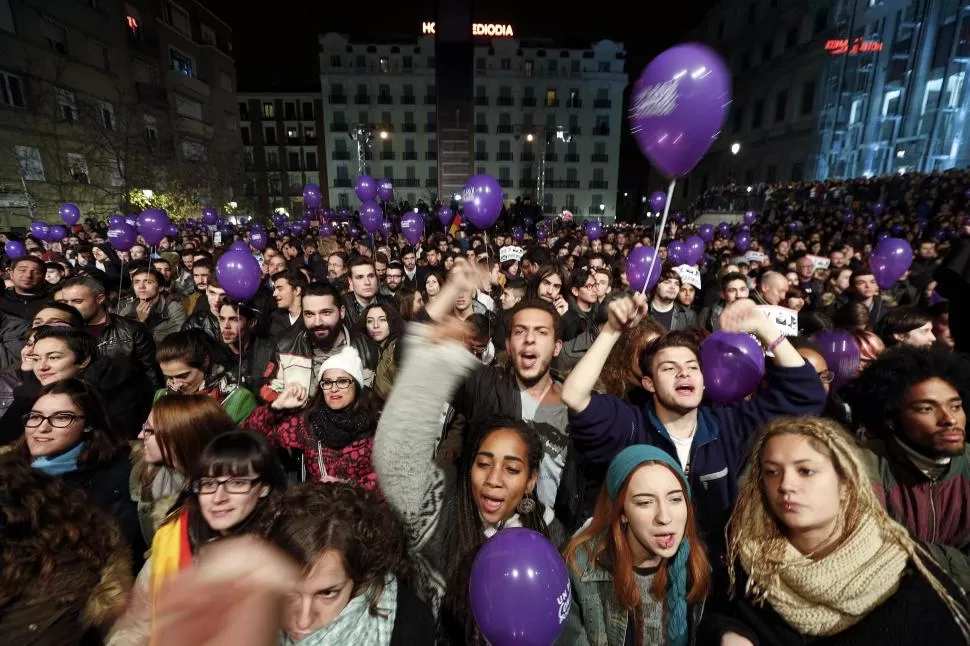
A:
<point x="258" y="239"/>
<point x="385" y="190"/>
<point x="122" y="237"/>
<point x="482" y="200"/>
<point x="371" y="217"/>
<point x="40" y="230"/>
<point x="445" y="215"/>
<point x="311" y="196"/>
<point x="412" y="226"/>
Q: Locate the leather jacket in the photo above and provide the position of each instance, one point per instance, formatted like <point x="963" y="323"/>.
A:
<point x="353" y="309"/>
<point x="205" y="321"/>
<point x="124" y="341"/>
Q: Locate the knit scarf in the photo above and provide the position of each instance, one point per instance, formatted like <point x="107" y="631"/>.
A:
<point x="825" y="596"/>
<point x="335" y="429"/>
<point x="60" y="464"/>
<point x="355" y="624"/>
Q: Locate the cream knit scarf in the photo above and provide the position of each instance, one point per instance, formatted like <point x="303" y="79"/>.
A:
<point x="826" y="596"/>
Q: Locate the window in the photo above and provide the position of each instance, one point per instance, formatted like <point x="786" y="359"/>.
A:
<point x="11" y="90"/>
<point x="31" y="165"/>
<point x="408" y="63"/>
<point x="151" y="132"/>
<point x="244" y="111"/>
<point x="527" y="67"/>
<point x="194" y="150"/>
<point x="757" y="113"/>
<point x="410" y="172"/>
<point x="334" y="61"/>
<point x="361" y="61"/>
<point x="55" y="34"/>
<point x="181" y="63"/>
<point x="230" y="122"/>
<point x="98" y="55"/>
<point x="385" y="65"/>
<point x="269" y="110"/>
<point x="246" y="137"/>
<point x="208" y="34"/>
<point x="311" y="160"/>
<point x="737" y="118"/>
<point x="225" y="81"/>
<point x="781" y="106"/>
<point x="77" y="165"/>
<point x="275" y="186"/>
<point x="107" y="115"/>
<point x="310" y="135"/>
<point x="293" y="161"/>
<point x="552" y="100"/>
<point x="505" y="64"/>
<point x="480" y="64"/>
<point x="272" y="160"/>
<point x="292" y="135"/>
<point x="308" y="110"/>
<point x="66" y="105"/>
<point x="808" y="98"/>
<point x="269" y="135"/>
<point x="178" y="18"/>
<point x="603" y="67"/>
<point x="188" y="107"/>
<point x="117" y="176"/>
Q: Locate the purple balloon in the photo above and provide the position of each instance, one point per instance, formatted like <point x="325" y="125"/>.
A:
<point x="742" y="242"/>
<point x="122" y="237"/>
<point x="637" y="266"/>
<point x="675" y="252"/>
<point x="595" y="230"/>
<point x="680" y="218"/>
<point x="848" y="217"/>
<point x="69" y="213"/>
<point x="153" y="225"/>
<point x="657" y="201"/>
<point x="733" y="364"/>
<point x="693" y="250"/>
<point x="750" y="217"/>
<point x="14" y="249"/>
<point x="385" y="190"/>
<point x="445" y="215"/>
<point x="131" y="220"/>
<point x="482" y="200"/>
<point x="326" y="230"/>
<point x="115" y="220"/>
<point x="841" y="354"/>
<point x="210" y="216"/>
<point x="387" y="228"/>
<point x="541" y="235"/>
<point x="706" y="232"/>
<point x="678" y="106"/>
<point x="57" y="233"/>
<point x="311" y="196"/>
<point x="371" y="216"/>
<point x="354" y="232"/>
<point x="519" y="589"/>
<point x="412" y="226"/>
<point x="890" y="260"/>
<point x="239" y="274"/>
<point x="877" y="208"/>
<point x="173" y="231"/>
<point x="724" y="228"/>
<point x="238" y="245"/>
<point x="40" y="230"/>
<point x="366" y="188"/>
<point x="258" y="239"/>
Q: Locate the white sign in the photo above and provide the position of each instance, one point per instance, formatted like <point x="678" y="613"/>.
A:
<point x="510" y="253"/>
<point x="820" y="262"/>
<point x="755" y="256"/>
<point x="689" y="275"/>
<point x="784" y="318"/>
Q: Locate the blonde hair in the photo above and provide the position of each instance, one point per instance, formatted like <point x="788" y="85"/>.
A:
<point x="753" y="524"/>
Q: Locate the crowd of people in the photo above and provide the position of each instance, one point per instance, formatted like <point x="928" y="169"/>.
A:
<point x="321" y="464"/>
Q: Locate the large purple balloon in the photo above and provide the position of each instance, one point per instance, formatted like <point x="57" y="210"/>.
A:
<point x="387" y="228"/>
<point x="371" y="216"/>
<point x="742" y="242"/>
<point x="210" y="216"/>
<point x="678" y="106"/>
<point x="706" y="232"/>
<point x="366" y="188"/>
<point x="153" y="225"/>
<point x="482" y="200"/>
<point x="637" y="266"/>
<point x="311" y="195"/>
<point x="445" y="215"/>
<point x="841" y="354"/>
<point x="14" y="249"/>
<point x="412" y="226"/>
<point x="733" y="364"/>
<point x="115" y="220"/>
<point x="657" y="201"/>
<point x="693" y="250"/>
<point x="385" y="190"/>
<point x="57" y="233"/>
<point x="122" y="237"/>
<point x="519" y="589"/>
<point x="258" y="239"/>
<point x="750" y="217"/>
<point x="595" y="230"/>
<point x="40" y="230"/>
<point x="239" y="245"/>
<point x="69" y="213"/>
<point x="326" y="230"/>
<point x="890" y="260"/>
<point x="239" y="274"/>
<point x="675" y="252"/>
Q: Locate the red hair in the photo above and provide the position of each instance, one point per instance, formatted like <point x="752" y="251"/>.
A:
<point x="605" y="533"/>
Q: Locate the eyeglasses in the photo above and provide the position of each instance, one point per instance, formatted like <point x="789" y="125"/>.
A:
<point x="826" y="376"/>
<point x="57" y="420"/>
<point x="343" y="383"/>
<point x="208" y="486"/>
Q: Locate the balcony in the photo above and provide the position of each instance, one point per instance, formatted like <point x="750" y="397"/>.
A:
<point x="527" y="182"/>
<point x="602" y="104"/>
<point x="410" y="182"/>
<point x="309" y="141"/>
<point x="431" y="99"/>
<point x="431" y="183"/>
<point x="384" y="99"/>
<point x="551" y="157"/>
<point x="504" y="157"/>
<point x="387" y="155"/>
<point x="194" y="127"/>
<point x="594" y="210"/>
<point x="505" y="101"/>
<point x="338" y="127"/>
<point x="431" y="127"/>
<point x="481" y="128"/>
<point x="574" y="103"/>
<point x="572" y="158"/>
<point x="563" y="183"/>
<point x="362" y="99"/>
<point x="528" y="102"/>
<point x="481" y="100"/>
<point x="598" y="183"/>
<point x="601" y="131"/>
<point x="409" y="127"/>
<point x="340" y="155"/>
<point x="177" y="80"/>
<point x="342" y="182"/>
<point x="503" y="129"/>
<point x="337" y="99"/>
<point x="527" y="157"/>
<point x="600" y="158"/>
<point x="481" y="156"/>
<point x="575" y="130"/>
<point x="408" y="100"/>
<point x="409" y="155"/>
<point x="552" y="103"/>
<point x="506" y="183"/>
<point x="151" y="93"/>
<point x="431" y="155"/>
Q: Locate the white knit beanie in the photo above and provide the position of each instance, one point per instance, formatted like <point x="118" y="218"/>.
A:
<point x="347" y="360"/>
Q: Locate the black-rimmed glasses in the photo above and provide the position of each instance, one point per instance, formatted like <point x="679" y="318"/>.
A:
<point x="57" y="420"/>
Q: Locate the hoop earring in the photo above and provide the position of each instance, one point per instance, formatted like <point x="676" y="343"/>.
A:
<point x="526" y="506"/>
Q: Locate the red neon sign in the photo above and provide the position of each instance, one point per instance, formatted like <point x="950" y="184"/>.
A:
<point x="838" y="47"/>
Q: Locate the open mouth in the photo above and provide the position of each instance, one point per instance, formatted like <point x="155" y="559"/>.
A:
<point x="665" y="541"/>
<point x="528" y="359"/>
<point x="491" y="504"/>
<point x="685" y="389"/>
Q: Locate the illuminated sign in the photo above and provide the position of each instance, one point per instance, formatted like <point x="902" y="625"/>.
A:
<point x="838" y="47"/>
<point x="484" y="29"/>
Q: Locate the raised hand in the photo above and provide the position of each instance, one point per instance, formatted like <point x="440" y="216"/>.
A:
<point x="293" y="396"/>
<point x="627" y="313"/>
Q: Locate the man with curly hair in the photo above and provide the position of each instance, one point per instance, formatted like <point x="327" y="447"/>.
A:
<point x="912" y="401"/>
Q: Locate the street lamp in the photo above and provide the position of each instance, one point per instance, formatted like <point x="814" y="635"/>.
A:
<point x="558" y="133"/>
<point x="735" y="148"/>
<point x="529" y="137"/>
<point x="363" y="134"/>
<point x="383" y="134"/>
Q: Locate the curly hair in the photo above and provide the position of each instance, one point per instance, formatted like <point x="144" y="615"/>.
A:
<point x="753" y="525"/>
<point x="315" y="517"/>
<point x="55" y="543"/>
<point x="878" y="394"/>
<point x="621" y="372"/>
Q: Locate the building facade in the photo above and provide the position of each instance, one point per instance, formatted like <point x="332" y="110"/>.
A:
<point x="282" y="135"/>
<point x="545" y="119"/>
<point x="107" y="101"/>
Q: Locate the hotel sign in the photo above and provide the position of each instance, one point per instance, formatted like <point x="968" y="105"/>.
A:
<point x="481" y="29"/>
<point x="837" y="47"/>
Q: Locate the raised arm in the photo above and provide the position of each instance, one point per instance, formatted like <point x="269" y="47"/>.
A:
<point x="742" y="316"/>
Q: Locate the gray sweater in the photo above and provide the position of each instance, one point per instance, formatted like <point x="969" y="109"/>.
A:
<point x="404" y="446"/>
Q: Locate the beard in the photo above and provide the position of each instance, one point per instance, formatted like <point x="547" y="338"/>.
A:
<point x="327" y="341"/>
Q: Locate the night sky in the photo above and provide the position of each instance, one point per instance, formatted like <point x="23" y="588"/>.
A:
<point x="276" y="44"/>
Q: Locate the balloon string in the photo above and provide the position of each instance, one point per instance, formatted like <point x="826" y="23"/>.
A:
<point x="121" y="284"/>
<point x="239" y="379"/>
<point x="663" y="227"/>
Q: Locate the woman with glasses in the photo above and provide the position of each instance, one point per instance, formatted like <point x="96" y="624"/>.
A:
<point x="235" y="486"/>
<point x="67" y="435"/>
<point x="333" y="432"/>
<point x="177" y="430"/>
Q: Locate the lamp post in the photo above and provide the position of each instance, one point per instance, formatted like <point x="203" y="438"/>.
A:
<point x="363" y="134"/>
<point x="549" y="137"/>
